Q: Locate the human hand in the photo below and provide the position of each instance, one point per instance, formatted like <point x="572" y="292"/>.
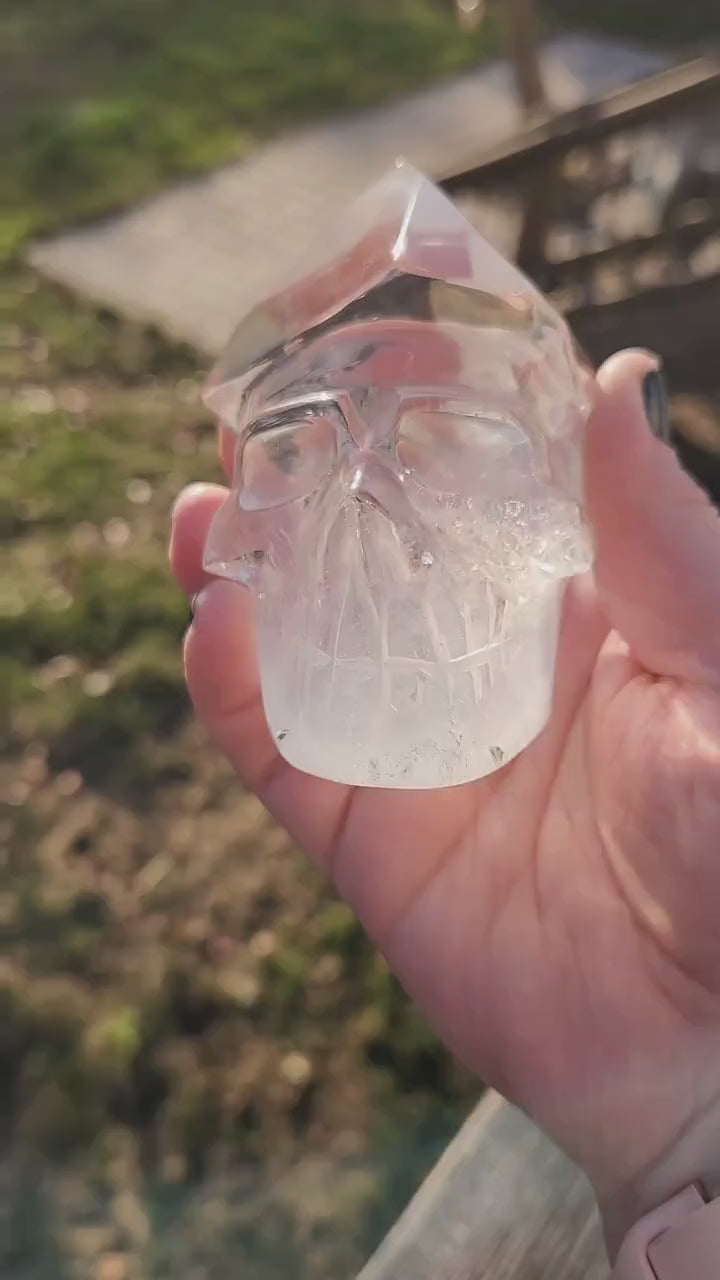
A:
<point x="557" y="922"/>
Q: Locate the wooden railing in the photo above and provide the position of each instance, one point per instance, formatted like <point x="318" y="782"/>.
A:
<point x="665" y="96"/>
<point x="532" y="163"/>
<point x="502" y="1204"/>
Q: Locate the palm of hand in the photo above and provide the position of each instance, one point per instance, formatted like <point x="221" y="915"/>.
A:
<point x="545" y="919"/>
<point x="556" y="921"/>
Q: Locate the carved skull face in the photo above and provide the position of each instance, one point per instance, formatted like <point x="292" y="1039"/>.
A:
<point x="406" y="502"/>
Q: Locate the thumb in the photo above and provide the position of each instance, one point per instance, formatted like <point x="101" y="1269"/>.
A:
<point x="657" y="536"/>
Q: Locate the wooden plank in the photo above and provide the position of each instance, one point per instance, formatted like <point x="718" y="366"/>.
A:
<point x="657" y="98"/>
<point x="679" y="321"/>
<point x="687" y="236"/>
<point x="501" y="1204"/>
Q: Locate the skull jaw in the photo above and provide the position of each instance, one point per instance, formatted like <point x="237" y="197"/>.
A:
<point x="406" y="723"/>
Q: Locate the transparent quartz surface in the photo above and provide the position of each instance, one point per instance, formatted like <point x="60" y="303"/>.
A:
<point x="406" y="505"/>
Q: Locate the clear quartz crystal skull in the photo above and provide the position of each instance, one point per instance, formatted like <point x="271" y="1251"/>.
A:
<point x="406" y="500"/>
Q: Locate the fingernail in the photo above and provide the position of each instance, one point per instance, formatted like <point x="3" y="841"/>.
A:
<point x="197" y="601"/>
<point x="657" y="404"/>
<point x="187" y="494"/>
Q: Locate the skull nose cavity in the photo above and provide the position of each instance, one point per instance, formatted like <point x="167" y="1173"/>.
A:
<point x="370" y="480"/>
<point x="373" y="489"/>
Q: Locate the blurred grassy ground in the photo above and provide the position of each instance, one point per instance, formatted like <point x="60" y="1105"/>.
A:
<point x="696" y="22"/>
<point x="112" y="97"/>
<point x="196" y="1044"/>
<point x="174" y="976"/>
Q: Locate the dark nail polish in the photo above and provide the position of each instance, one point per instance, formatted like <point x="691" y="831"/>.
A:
<point x="657" y="404"/>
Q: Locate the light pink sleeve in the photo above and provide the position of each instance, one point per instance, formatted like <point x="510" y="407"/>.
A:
<point x="679" y="1241"/>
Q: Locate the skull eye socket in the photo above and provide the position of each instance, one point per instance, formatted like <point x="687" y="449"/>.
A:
<point x="285" y="462"/>
<point x="459" y="453"/>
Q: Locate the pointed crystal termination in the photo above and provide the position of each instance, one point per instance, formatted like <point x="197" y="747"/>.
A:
<point x="406" y="505"/>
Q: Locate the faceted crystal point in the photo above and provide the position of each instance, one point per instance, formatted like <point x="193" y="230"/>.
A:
<point x="406" y="504"/>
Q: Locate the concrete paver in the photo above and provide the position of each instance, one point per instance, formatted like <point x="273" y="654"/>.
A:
<point x="194" y="258"/>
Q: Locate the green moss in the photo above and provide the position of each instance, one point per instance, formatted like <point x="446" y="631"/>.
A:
<point x="115" y="1039"/>
<point x="285" y="977"/>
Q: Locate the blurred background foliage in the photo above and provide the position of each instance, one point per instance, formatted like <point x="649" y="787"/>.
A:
<point x="113" y="96"/>
<point x="104" y="99"/>
<point x="202" y="1062"/>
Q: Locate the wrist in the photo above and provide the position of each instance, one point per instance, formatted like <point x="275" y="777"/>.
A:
<point x="692" y="1156"/>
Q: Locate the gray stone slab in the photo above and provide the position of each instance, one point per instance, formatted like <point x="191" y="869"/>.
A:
<point x="195" y="257"/>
